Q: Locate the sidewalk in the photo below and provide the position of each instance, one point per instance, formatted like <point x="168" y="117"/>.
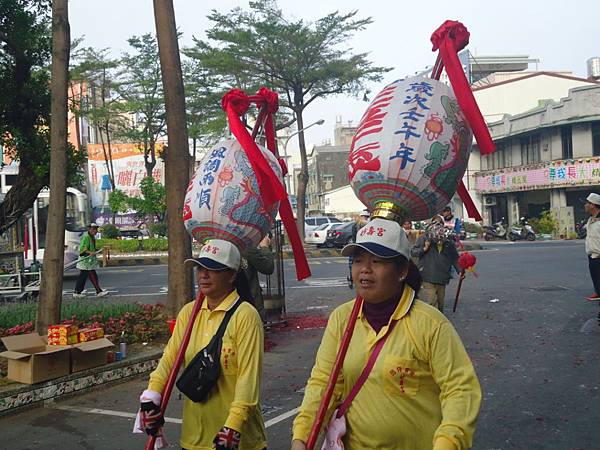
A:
<point x="16" y="396"/>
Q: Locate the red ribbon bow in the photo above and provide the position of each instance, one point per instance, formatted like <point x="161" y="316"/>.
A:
<point x="450" y="38"/>
<point x="236" y="103"/>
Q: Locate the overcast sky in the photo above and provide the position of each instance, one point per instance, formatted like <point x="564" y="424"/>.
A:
<point x="561" y="34"/>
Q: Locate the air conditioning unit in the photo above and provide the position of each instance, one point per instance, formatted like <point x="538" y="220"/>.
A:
<point x="489" y="201"/>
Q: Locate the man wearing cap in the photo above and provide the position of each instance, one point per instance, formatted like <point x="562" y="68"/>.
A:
<point x="88" y="263"/>
<point x="592" y="242"/>
<point x="436" y="255"/>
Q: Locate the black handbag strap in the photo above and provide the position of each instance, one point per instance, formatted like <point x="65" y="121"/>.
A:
<point x="221" y="330"/>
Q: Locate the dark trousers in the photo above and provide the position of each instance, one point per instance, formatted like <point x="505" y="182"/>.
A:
<point x="82" y="278"/>
<point x="594" y="264"/>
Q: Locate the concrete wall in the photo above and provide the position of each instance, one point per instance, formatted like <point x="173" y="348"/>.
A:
<point x="519" y="96"/>
<point x="342" y="201"/>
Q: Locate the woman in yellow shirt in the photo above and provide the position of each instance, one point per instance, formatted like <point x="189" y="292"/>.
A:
<point x="230" y="419"/>
<point x="422" y="393"/>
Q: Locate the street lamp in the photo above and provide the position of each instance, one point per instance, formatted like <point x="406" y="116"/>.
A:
<point x="285" y="156"/>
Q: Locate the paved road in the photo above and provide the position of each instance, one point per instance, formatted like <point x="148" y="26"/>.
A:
<point x="521" y="322"/>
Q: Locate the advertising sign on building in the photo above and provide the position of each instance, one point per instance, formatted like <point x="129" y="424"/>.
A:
<point x="129" y="170"/>
<point x="566" y="173"/>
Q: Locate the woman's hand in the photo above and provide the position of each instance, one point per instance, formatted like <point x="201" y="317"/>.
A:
<point x="297" y="444"/>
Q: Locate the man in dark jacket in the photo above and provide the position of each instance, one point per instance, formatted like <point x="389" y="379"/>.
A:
<point x="436" y="255"/>
<point x="259" y="259"/>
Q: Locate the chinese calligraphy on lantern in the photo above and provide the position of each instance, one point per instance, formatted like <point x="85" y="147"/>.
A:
<point x="416" y="101"/>
<point x="207" y="177"/>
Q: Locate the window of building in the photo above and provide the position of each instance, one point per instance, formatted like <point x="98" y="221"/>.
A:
<point x="496" y="160"/>
<point x="596" y="138"/>
<point x="530" y="149"/>
<point x="9" y="180"/>
<point x="566" y="135"/>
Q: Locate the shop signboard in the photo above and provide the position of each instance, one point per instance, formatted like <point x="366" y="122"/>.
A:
<point x="129" y="170"/>
<point x="551" y="174"/>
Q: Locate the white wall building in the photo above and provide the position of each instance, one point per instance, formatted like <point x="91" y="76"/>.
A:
<point x="515" y="93"/>
<point x="341" y="202"/>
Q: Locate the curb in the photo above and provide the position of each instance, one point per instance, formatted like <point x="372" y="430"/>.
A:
<point x="26" y="396"/>
<point x="160" y="258"/>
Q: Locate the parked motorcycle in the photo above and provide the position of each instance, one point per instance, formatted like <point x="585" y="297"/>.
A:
<point x="495" y="231"/>
<point x="522" y="232"/>
<point x="581" y="229"/>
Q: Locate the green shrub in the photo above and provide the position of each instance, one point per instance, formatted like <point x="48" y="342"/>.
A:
<point x="155" y="244"/>
<point x="158" y="229"/>
<point x="110" y="231"/>
<point x="120" y="245"/>
<point x="545" y="224"/>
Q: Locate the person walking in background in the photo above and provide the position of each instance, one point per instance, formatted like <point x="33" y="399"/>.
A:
<point x="258" y="260"/>
<point x="592" y="242"/>
<point x="418" y="389"/>
<point x="88" y="263"/>
<point x="436" y="254"/>
<point x="230" y="418"/>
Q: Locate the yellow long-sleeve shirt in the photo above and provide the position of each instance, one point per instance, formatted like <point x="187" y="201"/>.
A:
<point x="422" y="392"/>
<point x="235" y="404"/>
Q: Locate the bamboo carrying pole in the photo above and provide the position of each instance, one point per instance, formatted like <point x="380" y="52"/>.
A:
<point x="339" y="360"/>
<point x="462" y="277"/>
<point x="166" y="395"/>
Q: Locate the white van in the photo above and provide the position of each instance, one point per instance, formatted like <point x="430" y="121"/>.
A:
<point x="312" y="222"/>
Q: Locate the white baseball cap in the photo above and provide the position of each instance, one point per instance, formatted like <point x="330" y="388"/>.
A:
<point x="216" y="254"/>
<point x="381" y="237"/>
<point x="594" y="198"/>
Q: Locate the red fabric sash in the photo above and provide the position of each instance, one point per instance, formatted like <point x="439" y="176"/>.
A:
<point x="235" y="103"/>
<point x="450" y="38"/>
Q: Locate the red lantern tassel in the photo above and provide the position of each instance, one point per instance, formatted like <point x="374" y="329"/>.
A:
<point x="450" y="38"/>
<point x="236" y="103"/>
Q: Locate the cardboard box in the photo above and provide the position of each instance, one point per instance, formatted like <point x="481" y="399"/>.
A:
<point x="89" y="334"/>
<point x="62" y="334"/>
<point x="30" y="360"/>
<point x="90" y="354"/>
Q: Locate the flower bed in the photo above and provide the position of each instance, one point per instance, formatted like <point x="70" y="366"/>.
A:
<point x="138" y="322"/>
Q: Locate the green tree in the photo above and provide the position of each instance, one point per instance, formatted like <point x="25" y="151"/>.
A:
<point x="152" y="204"/>
<point x="96" y="100"/>
<point x="52" y="280"/>
<point x="141" y="95"/>
<point x="206" y="122"/>
<point x="118" y="201"/>
<point x="25" y="104"/>
<point x="177" y="163"/>
<point x="303" y="61"/>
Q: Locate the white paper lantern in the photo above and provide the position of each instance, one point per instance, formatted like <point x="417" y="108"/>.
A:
<point x="223" y="199"/>
<point x="411" y="148"/>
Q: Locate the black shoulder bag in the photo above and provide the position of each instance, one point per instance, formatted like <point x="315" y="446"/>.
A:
<point x="202" y="373"/>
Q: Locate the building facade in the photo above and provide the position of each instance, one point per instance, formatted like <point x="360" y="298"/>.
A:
<point x="328" y="166"/>
<point x="512" y="94"/>
<point x="547" y="158"/>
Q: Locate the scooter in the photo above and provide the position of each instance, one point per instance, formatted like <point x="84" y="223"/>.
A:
<point x="496" y="231"/>
<point x="523" y="232"/>
<point x="581" y="229"/>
